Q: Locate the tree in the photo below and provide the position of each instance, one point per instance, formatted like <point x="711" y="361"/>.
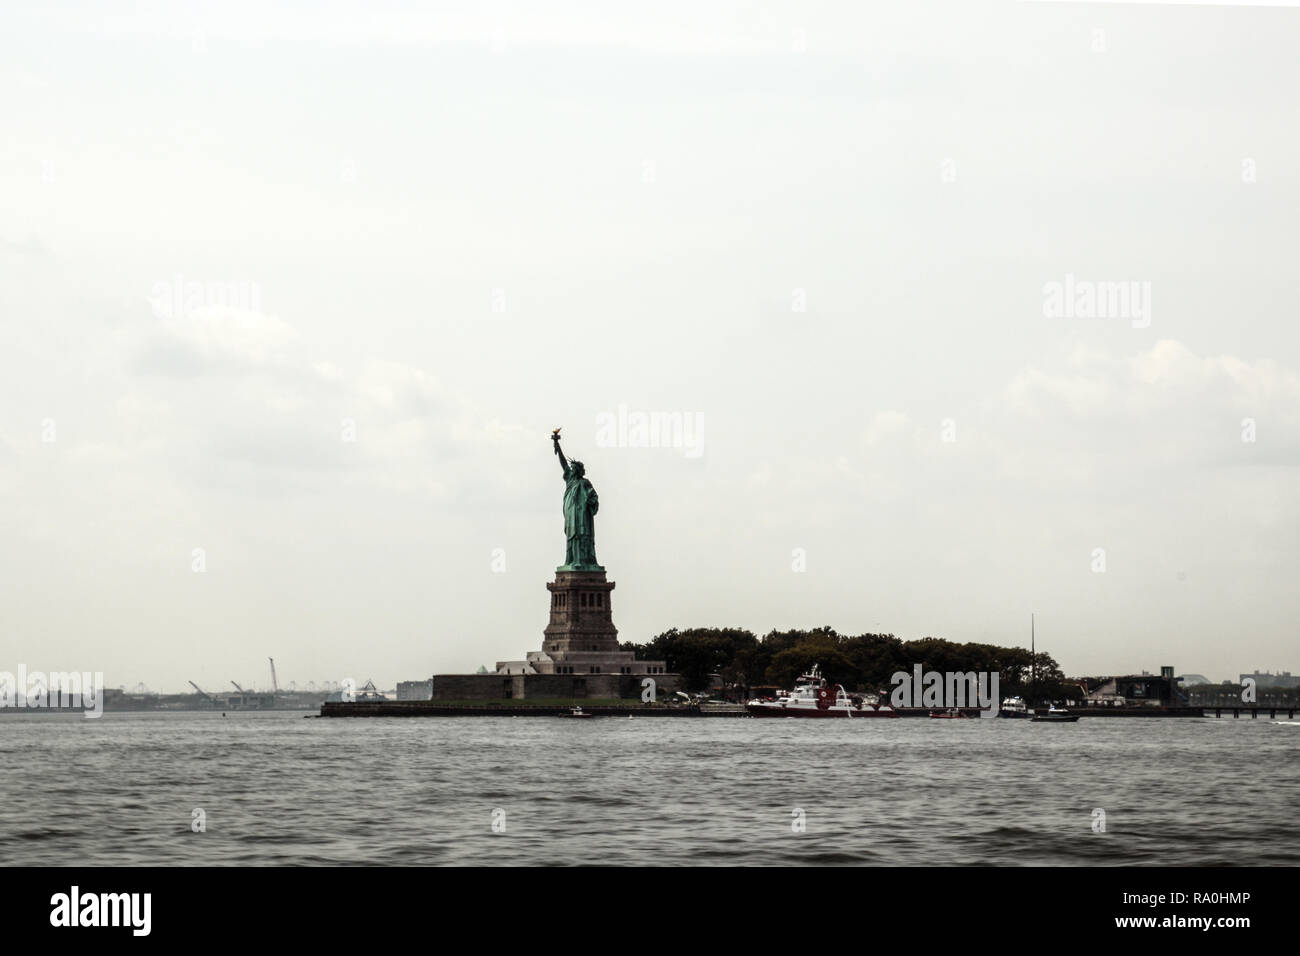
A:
<point x="875" y="658"/>
<point x="698" y="653"/>
<point x="790" y="664"/>
<point x="864" y="662"/>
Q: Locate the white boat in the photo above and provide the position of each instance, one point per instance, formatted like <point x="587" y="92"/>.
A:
<point x="1013" y="707"/>
<point x="813" y="696"/>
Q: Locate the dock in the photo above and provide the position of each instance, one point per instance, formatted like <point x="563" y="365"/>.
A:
<point x="1254" y="710"/>
<point x="431" y="708"/>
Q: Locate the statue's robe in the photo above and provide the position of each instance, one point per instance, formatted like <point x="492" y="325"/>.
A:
<point x="580" y="506"/>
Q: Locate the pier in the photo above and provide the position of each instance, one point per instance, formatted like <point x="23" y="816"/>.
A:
<point x="432" y="708"/>
<point x="429" y="708"/>
<point x="1254" y="710"/>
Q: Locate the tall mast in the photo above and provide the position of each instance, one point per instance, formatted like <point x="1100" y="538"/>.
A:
<point x="1033" y="664"/>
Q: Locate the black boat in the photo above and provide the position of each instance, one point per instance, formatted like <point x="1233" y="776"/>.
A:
<point x="1054" y="716"/>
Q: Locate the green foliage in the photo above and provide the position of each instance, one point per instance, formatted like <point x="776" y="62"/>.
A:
<point x="697" y="653"/>
<point x="787" y="665"/>
<point x="864" y="662"/>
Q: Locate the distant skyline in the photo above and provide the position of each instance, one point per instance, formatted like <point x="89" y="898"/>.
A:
<point x="965" y="311"/>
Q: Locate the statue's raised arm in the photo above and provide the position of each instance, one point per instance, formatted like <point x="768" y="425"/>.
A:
<point x="564" y="462"/>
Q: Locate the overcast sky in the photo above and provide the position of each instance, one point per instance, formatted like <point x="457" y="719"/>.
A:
<point x="826" y="235"/>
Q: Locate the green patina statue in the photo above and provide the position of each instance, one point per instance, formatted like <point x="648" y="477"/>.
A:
<point x="580" y="506"/>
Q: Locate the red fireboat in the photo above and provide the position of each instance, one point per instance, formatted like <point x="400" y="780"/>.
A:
<point x="814" y="697"/>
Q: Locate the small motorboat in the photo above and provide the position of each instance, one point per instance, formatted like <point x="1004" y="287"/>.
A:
<point x="952" y="713"/>
<point x="577" y="711"/>
<point x="1014" y="707"/>
<point x="1054" y="715"/>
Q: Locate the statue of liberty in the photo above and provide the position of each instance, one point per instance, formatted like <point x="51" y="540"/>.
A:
<point x="580" y="506"/>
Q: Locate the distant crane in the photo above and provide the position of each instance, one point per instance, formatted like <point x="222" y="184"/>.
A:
<point x="204" y="693"/>
<point x="243" y="695"/>
<point x="275" y="684"/>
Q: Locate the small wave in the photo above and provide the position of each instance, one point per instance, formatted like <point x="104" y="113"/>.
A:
<point x="45" y="833"/>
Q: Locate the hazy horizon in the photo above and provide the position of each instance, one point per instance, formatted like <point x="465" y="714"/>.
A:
<point x="946" y="296"/>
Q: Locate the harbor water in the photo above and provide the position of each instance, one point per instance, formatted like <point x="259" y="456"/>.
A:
<point x="275" y="788"/>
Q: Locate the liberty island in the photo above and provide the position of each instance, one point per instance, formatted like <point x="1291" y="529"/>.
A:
<point x="580" y="655"/>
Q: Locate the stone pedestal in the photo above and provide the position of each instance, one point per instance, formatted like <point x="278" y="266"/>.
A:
<point x="582" y="624"/>
<point x="580" y="657"/>
<point x="581" y="637"/>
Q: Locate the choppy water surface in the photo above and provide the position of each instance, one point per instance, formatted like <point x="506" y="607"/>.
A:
<point x="280" y="789"/>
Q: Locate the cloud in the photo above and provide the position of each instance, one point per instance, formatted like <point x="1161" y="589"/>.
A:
<point x="208" y="337"/>
<point x="886" y="427"/>
<point x="237" y="401"/>
<point x="1169" y="373"/>
<point x="1070" y="443"/>
<point x="1165" y="407"/>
